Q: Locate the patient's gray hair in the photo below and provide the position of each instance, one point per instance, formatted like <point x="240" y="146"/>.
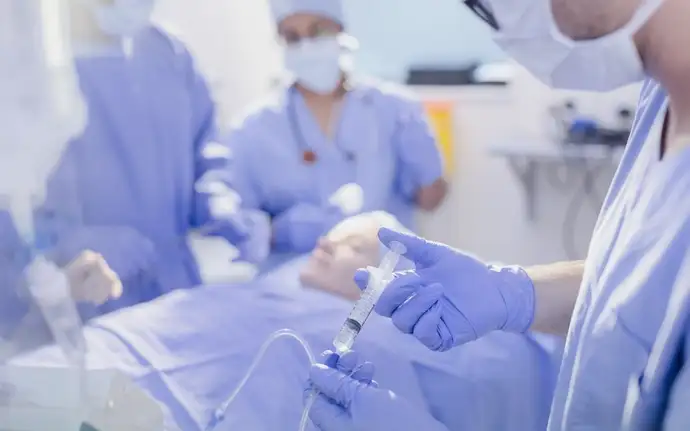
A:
<point x="371" y="222"/>
<point x="366" y="221"/>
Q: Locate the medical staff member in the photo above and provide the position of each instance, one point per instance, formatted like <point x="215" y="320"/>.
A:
<point x="132" y="175"/>
<point x="626" y="309"/>
<point x="327" y="130"/>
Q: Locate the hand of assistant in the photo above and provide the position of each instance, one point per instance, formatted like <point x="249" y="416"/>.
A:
<point x="299" y="228"/>
<point x="348" y="400"/>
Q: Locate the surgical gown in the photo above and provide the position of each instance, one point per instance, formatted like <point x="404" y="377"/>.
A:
<point x="128" y="182"/>
<point x="382" y="142"/>
<point x="625" y="363"/>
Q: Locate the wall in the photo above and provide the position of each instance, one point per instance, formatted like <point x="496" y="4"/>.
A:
<point x="397" y="34"/>
<point x="485" y="212"/>
<point x="233" y="44"/>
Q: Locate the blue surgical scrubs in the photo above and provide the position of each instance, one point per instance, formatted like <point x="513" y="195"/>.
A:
<point x="625" y="362"/>
<point x="382" y="141"/>
<point x="125" y="188"/>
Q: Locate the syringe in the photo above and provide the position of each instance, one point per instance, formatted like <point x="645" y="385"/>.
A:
<point x="378" y="279"/>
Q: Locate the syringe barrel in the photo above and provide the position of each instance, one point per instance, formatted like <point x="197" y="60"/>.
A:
<point x="378" y="279"/>
<point x="391" y="258"/>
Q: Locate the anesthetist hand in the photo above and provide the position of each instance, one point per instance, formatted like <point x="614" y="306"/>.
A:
<point x="257" y="245"/>
<point x="452" y="298"/>
<point x="92" y="280"/>
<point x="349" y="400"/>
<point x="299" y="228"/>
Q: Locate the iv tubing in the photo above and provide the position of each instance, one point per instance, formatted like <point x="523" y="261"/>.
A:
<point x="219" y="414"/>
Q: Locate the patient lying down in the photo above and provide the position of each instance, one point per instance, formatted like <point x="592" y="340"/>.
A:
<point x="191" y="348"/>
<point x="351" y="245"/>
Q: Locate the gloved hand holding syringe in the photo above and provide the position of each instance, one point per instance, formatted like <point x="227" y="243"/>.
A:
<point x="344" y="339"/>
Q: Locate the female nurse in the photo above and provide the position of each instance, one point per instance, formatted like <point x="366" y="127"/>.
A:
<point x="326" y="130"/>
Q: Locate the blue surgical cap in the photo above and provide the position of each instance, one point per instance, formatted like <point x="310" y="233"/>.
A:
<point x="332" y="9"/>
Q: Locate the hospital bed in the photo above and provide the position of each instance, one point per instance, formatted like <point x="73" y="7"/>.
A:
<point x="190" y="349"/>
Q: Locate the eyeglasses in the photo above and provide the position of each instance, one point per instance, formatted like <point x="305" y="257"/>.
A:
<point x="293" y="38"/>
<point x="482" y="12"/>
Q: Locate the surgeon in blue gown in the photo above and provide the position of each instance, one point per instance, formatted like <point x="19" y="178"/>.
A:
<point x="292" y="152"/>
<point x="626" y="309"/>
<point x="127" y="188"/>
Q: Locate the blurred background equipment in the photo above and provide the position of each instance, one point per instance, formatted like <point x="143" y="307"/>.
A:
<point x="498" y="74"/>
<point x="573" y="127"/>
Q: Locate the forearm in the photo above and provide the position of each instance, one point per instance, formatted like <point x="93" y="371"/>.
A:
<point x="430" y="197"/>
<point x="556" y="288"/>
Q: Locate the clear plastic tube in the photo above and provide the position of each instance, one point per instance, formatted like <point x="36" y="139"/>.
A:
<point x="220" y="412"/>
<point x="50" y="289"/>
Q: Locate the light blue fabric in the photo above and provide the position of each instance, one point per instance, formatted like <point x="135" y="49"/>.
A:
<point x="630" y="322"/>
<point x="348" y="399"/>
<point x="134" y="169"/>
<point x="332" y="9"/>
<point x="190" y="349"/>
<point x="394" y="151"/>
<point x="14" y="297"/>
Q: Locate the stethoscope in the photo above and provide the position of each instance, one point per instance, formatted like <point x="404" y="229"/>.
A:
<point x="309" y="156"/>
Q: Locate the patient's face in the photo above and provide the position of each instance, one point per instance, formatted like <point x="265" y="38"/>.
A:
<point x="333" y="263"/>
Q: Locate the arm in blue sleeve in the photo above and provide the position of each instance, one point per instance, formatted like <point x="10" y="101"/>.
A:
<point x="62" y="234"/>
<point x="677" y="416"/>
<point x="420" y="164"/>
<point x="211" y="156"/>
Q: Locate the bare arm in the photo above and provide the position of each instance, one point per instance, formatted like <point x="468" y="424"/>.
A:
<point x="556" y="288"/>
<point x="430" y="197"/>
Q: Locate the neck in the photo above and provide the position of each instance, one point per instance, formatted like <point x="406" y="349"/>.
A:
<point x="677" y="135"/>
<point x="663" y="52"/>
<point x="85" y="31"/>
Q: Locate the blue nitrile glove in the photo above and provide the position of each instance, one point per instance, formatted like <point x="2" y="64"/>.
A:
<point x="257" y="246"/>
<point x="299" y="228"/>
<point x="128" y="253"/>
<point x="348" y="400"/>
<point x="452" y="298"/>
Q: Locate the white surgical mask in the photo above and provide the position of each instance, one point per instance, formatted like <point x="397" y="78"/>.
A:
<point x="529" y="34"/>
<point x="316" y="64"/>
<point x="124" y="18"/>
